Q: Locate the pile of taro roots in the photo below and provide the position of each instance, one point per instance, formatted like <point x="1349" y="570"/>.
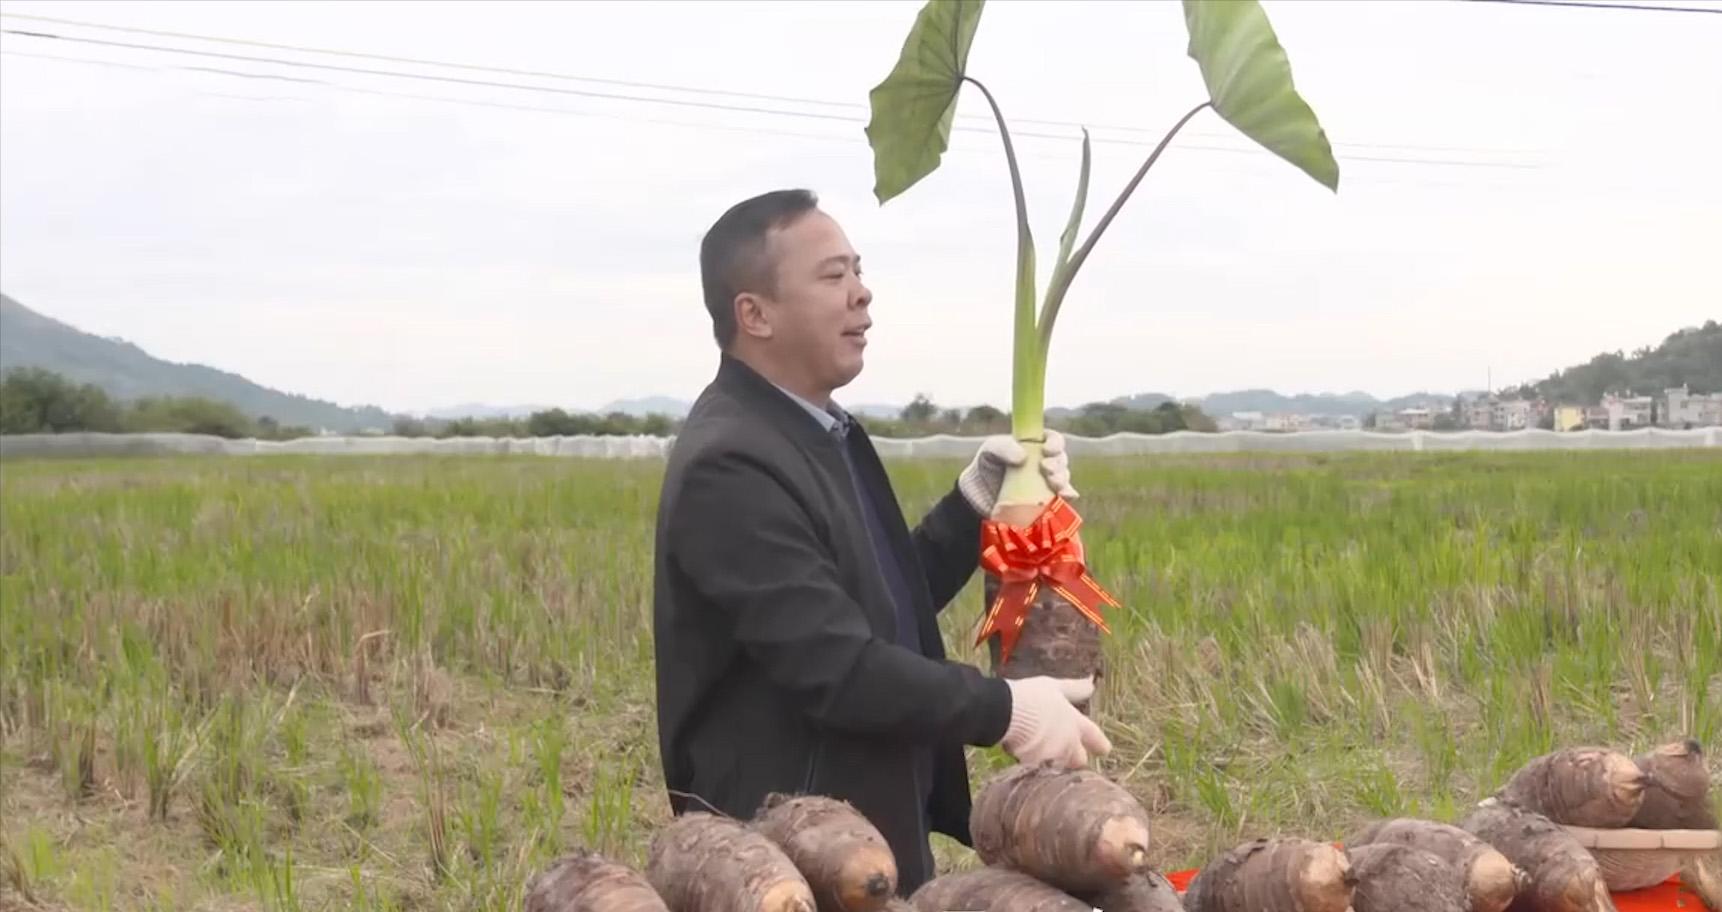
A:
<point x="1056" y="840"/>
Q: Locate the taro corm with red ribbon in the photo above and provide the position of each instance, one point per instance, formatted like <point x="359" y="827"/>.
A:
<point x="1046" y="554"/>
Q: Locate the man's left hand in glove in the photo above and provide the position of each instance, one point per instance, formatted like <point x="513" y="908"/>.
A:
<point x="981" y="479"/>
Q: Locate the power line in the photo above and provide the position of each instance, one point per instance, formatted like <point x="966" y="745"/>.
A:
<point x="420" y="61"/>
<point x="849" y="140"/>
<point x="1581" y="4"/>
<point x="472" y="102"/>
<point x="243" y="75"/>
<point x="106" y="63"/>
<point x="656" y="86"/>
<point x="679" y="102"/>
<point x="440" y="98"/>
<point x="366" y="71"/>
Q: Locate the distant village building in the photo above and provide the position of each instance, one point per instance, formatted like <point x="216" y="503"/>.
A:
<point x="1490" y="413"/>
<point x="1406" y="419"/>
<point x="1417" y="419"/>
<point x="1686" y="410"/>
<point x="1480" y="413"/>
<point x="1569" y="418"/>
<point x="1629" y="411"/>
<point x="1674" y="408"/>
<point x="1240" y="421"/>
<point x="1520" y="414"/>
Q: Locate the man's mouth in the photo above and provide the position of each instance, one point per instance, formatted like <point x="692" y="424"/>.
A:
<point x="859" y="333"/>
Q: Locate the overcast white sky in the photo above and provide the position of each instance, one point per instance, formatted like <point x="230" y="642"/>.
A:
<point x="415" y="253"/>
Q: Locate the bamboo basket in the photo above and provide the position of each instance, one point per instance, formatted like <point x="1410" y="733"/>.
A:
<point x="1633" y="859"/>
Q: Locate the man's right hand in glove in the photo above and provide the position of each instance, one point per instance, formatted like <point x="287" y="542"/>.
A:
<point x="1046" y="725"/>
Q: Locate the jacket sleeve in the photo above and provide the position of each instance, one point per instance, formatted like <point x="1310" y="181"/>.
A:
<point x="753" y="552"/>
<point x="948" y="543"/>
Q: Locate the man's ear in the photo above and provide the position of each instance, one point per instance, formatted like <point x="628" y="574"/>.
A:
<point x="751" y="316"/>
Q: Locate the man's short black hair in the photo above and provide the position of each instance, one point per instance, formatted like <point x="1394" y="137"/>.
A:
<point x="733" y="257"/>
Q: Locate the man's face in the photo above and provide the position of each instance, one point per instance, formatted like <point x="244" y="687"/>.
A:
<point x="819" y="314"/>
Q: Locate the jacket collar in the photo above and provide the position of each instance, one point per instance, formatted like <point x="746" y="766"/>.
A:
<point x="787" y="411"/>
<point x="832" y="418"/>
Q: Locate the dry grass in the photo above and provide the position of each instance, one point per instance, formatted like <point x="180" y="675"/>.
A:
<point x="407" y="683"/>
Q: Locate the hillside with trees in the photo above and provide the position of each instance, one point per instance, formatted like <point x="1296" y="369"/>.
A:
<point x="1691" y="357"/>
<point x="127" y="373"/>
<point x="34" y="400"/>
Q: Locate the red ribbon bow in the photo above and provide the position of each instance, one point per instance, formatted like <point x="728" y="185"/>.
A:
<point x="1022" y="557"/>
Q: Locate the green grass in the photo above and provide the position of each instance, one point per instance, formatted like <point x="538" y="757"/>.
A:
<point x="408" y="683"/>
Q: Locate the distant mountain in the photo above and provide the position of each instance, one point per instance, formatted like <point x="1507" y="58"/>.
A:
<point x="1218" y="404"/>
<point x="124" y="371"/>
<point x="649" y="405"/>
<point x="1268" y="402"/>
<point x="1354" y="403"/>
<point x="481" y="411"/>
<point x="1143" y="402"/>
<point x="875" y="410"/>
<point x="638" y="407"/>
<point x="1691" y="356"/>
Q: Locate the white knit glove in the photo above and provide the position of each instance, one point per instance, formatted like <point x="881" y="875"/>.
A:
<point x="1045" y="724"/>
<point x="981" y="479"/>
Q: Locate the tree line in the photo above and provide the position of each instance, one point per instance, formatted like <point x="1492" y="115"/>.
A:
<point x="38" y="401"/>
<point x="923" y="417"/>
<point x="34" y="400"/>
<point x="920" y="418"/>
<point x="547" y="423"/>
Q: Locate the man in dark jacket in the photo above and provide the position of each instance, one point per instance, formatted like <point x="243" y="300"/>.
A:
<point x="795" y="617"/>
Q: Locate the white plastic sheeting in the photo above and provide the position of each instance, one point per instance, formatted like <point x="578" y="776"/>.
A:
<point x="1332" y="441"/>
<point x="87" y="445"/>
<point x="76" y="445"/>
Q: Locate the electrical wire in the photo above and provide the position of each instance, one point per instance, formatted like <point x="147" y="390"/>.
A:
<point x="850" y="141"/>
<point x="472" y="102"/>
<point x="637" y="84"/>
<point x="747" y="109"/>
<point x="105" y="63"/>
<point x="366" y="71"/>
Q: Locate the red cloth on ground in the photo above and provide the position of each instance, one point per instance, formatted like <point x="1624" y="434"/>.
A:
<point x="1664" y="897"/>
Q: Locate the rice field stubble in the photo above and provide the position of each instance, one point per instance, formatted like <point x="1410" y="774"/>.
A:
<point x="407" y="683"/>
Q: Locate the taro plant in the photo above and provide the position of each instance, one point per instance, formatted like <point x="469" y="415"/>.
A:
<point x="1044" y="614"/>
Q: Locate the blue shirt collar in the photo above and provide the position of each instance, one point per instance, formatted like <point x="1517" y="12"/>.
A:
<point x="832" y="418"/>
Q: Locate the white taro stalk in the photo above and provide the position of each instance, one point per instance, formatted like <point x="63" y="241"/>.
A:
<point x="1249" y="85"/>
